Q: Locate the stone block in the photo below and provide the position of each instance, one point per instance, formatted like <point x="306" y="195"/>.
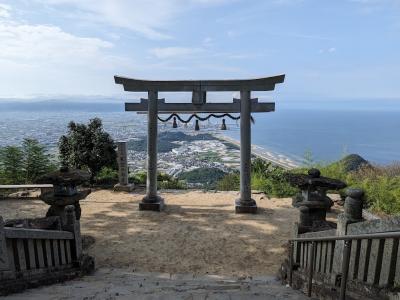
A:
<point x="122" y="160"/>
<point x="374" y="226"/>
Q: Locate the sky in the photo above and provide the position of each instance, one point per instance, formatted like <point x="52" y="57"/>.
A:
<point x="342" y="49"/>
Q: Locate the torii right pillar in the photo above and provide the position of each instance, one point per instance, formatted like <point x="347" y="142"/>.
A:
<point x="245" y="204"/>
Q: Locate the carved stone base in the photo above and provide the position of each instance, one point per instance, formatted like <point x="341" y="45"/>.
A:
<point x="245" y="207"/>
<point x="124" y="188"/>
<point x="154" y="204"/>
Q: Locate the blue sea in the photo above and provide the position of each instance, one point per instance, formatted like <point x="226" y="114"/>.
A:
<point x="327" y="134"/>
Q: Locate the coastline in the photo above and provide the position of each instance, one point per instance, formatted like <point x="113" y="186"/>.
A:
<point x="276" y="159"/>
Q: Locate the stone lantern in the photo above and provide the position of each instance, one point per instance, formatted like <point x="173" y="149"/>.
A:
<point x="65" y="191"/>
<point x="312" y="201"/>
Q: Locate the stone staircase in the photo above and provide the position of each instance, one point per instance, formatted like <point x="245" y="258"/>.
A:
<point x="125" y="284"/>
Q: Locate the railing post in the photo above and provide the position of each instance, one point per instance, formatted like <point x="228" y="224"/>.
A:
<point x="4" y="263"/>
<point x="345" y="268"/>
<point x="74" y="226"/>
<point x="311" y="269"/>
<point x="291" y="252"/>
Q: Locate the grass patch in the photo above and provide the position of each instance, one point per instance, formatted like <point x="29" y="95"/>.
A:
<point x="381" y="184"/>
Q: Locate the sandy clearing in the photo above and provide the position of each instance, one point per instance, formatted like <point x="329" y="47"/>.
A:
<point x="198" y="233"/>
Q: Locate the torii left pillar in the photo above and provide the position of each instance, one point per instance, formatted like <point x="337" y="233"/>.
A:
<point x="152" y="201"/>
<point x="245" y="204"/>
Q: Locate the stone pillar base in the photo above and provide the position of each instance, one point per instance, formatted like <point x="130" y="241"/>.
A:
<point x="124" y="188"/>
<point x="245" y="207"/>
<point x="156" y="204"/>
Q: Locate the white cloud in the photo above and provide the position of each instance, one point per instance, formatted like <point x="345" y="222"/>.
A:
<point x="171" y="52"/>
<point x="38" y="44"/>
<point x="149" y="18"/>
<point x="5" y="10"/>
<point x="45" y="59"/>
<point x="146" y="17"/>
<point x="329" y="50"/>
<point x="208" y="41"/>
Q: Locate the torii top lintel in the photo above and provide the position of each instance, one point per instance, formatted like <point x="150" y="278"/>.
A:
<point x="257" y="84"/>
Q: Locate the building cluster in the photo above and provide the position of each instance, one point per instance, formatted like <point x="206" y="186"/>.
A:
<point x="188" y="156"/>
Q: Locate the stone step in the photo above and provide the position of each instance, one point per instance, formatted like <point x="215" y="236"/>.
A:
<point x="124" y="284"/>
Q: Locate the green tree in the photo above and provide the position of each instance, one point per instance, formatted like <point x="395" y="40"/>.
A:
<point x="36" y="161"/>
<point x="87" y="147"/>
<point x="24" y="164"/>
<point x="12" y="165"/>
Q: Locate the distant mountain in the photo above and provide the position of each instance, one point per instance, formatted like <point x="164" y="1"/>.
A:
<point x="101" y="105"/>
<point x="353" y="162"/>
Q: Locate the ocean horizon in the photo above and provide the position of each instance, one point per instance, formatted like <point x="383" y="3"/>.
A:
<point x="327" y="134"/>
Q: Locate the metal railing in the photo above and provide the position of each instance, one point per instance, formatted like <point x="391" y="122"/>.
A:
<point x="308" y="256"/>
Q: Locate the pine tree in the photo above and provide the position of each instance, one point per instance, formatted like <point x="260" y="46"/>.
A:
<point x="12" y="165"/>
<point x="24" y="164"/>
<point x="36" y="161"/>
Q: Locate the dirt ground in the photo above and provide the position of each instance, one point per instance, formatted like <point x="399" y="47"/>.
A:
<point x="198" y="233"/>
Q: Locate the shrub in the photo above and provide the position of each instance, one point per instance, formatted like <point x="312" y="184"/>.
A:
<point x="208" y="177"/>
<point x="107" y="176"/>
<point x="173" y="184"/>
<point x="272" y="181"/>
<point x="230" y="182"/>
<point x="164" y="181"/>
<point x="382" y="191"/>
<point x="264" y="177"/>
<point x="381" y="184"/>
<point x="138" y="177"/>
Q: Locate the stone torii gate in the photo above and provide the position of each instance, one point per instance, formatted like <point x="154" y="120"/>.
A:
<point x="199" y="88"/>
